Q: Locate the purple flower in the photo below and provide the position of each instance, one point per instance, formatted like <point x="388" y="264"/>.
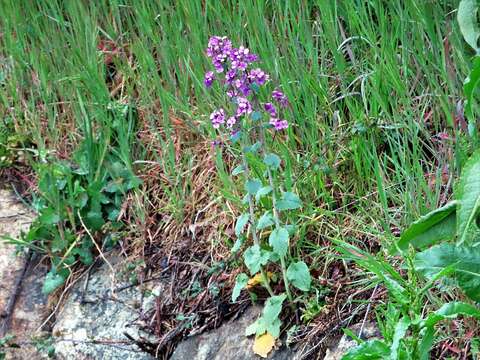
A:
<point x="241" y="57"/>
<point x="231" y="93"/>
<point x="278" y="124"/>
<point x="209" y="77"/>
<point x="217" y="118"/>
<point x="280" y="97"/>
<point x="270" y="108"/>
<point x="243" y="106"/>
<point x="258" y="76"/>
<point x="218" y="49"/>
<point x="230" y="76"/>
<point x="232" y="120"/>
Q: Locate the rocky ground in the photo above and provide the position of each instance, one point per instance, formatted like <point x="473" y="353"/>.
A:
<point x="100" y="315"/>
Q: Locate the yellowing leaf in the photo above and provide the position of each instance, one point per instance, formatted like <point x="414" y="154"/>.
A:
<point x="263" y="344"/>
<point x="257" y="279"/>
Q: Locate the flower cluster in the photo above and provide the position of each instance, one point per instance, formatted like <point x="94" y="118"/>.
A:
<point x="234" y="70"/>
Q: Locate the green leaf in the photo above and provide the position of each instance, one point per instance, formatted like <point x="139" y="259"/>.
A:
<point x="278" y="240"/>
<point x="299" y="275"/>
<point x="392" y="280"/>
<point x="94" y="220"/>
<point x="468" y="195"/>
<point x="252" y="186"/>
<point x="369" y="350"/>
<point x="272" y="160"/>
<point x="241" y="222"/>
<point x="238" y="170"/>
<point x="49" y="216"/>
<point x="447" y="311"/>
<point x="400" y="331"/>
<point x="265" y="221"/>
<point x="289" y="201"/>
<point x="433" y="227"/>
<point x="269" y="320"/>
<point x="470" y="85"/>
<point x="255" y="257"/>
<point x="240" y="282"/>
<point x="467" y="20"/>
<point x="272" y="308"/>
<point x="263" y="191"/>
<point x="53" y="280"/>
<point x="238" y="244"/>
<point x="465" y="261"/>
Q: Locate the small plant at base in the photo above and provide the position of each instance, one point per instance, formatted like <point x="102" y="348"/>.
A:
<point x="242" y="120"/>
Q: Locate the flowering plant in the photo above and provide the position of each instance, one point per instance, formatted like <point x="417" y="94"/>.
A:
<point x="243" y="119"/>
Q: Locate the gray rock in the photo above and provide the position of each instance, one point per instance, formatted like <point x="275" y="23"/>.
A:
<point x="369" y="331"/>
<point x="30" y="305"/>
<point x="96" y="327"/>
<point x="226" y="342"/>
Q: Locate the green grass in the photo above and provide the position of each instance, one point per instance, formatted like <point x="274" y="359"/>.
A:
<point x="370" y="83"/>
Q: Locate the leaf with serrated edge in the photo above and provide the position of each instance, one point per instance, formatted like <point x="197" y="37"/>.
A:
<point x="299" y="275"/>
<point x="262" y="192"/>
<point x="289" y="201"/>
<point x="278" y="240"/>
<point x="265" y="221"/>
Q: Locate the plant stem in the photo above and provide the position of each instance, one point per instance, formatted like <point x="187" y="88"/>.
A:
<point x="253" y="225"/>
<point x="276" y="215"/>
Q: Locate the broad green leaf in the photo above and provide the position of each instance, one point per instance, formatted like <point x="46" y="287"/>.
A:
<point x="299" y="275"/>
<point x="49" y="216"/>
<point x="240" y="282"/>
<point x="447" y="311"/>
<point x="289" y="201"/>
<point x="240" y="224"/>
<point x="468" y="195"/>
<point x="369" y="350"/>
<point x="258" y="328"/>
<point x="252" y="186"/>
<point x="274" y="327"/>
<point x="278" y="240"/>
<point x="262" y="192"/>
<point x="265" y="221"/>
<point x="433" y="227"/>
<point x="272" y="160"/>
<point x="467" y="20"/>
<point x="272" y="308"/>
<point x="238" y="170"/>
<point x="94" y="220"/>
<point x="53" y="280"/>
<point x="254" y="257"/>
<point x="465" y="261"/>
<point x="400" y="331"/>
<point x="470" y="85"/>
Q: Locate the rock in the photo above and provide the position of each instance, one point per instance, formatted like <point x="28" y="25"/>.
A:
<point x="369" y="331"/>
<point x="226" y="342"/>
<point x="96" y="327"/>
<point x="28" y="313"/>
